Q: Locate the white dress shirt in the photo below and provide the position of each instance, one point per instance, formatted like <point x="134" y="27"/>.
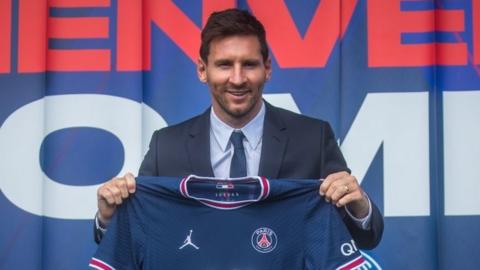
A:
<point x="221" y="149"/>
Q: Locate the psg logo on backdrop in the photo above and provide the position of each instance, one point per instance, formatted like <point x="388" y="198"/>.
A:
<point x="264" y="240"/>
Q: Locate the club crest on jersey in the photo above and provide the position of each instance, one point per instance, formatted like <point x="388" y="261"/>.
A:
<point x="264" y="240"/>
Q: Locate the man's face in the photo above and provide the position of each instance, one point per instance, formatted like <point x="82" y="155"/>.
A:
<point x="235" y="73"/>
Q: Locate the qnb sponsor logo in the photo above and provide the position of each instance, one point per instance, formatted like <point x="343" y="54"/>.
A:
<point x="348" y="248"/>
<point x="362" y="262"/>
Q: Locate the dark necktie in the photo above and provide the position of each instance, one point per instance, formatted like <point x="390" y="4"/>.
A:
<point x="238" y="167"/>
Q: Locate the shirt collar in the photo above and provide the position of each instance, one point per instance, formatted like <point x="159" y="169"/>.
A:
<point x="253" y="130"/>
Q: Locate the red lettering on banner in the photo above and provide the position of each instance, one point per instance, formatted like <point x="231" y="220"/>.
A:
<point x="78" y="60"/>
<point x="451" y="53"/>
<point x="5" y="35"/>
<point x="32" y="38"/>
<point x="129" y="35"/>
<point x="79" y="3"/>
<point x="78" y="27"/>
<point x="209" y="6"/>
<point x="386" y="23"/>
<point x="32" y="35"/>
<point x="476" y="31"/>
<point x="314" y="49"/>
<point x="175" y="24"/>
<point x="347" y="7"/>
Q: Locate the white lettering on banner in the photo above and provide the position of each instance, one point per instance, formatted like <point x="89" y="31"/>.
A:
<point x="284" y="101"/>
<point x="23" y="181"/>
<point x="461" y="131"/>
<point x="400" y="122"/>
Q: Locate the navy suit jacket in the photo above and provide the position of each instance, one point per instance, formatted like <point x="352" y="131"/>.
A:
<point x="293" y="146"/>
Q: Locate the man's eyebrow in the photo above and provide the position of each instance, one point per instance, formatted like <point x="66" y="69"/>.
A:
<point x="229" y="62"/>
<point x="252" y="61"/>
<point x="222" y="61"/>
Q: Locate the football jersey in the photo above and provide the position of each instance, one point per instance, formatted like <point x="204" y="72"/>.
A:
<point x="243" y="223"/>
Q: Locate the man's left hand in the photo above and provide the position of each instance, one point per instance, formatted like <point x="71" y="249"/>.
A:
<point x="342" y="189"/>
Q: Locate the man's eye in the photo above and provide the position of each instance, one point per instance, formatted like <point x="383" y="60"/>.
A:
<point x="223" y="65"/>
<point x="251" y="64"/>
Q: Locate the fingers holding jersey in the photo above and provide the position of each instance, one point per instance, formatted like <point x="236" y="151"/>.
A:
<point x="338" y="191"/>
<point x="116" y="193"/>
<point x="130" y="181"/>
<point x="113" y="193"/>
<point x="106" y="195"/>
<point x="336" y="185"/>
<point x="342" y="189"/>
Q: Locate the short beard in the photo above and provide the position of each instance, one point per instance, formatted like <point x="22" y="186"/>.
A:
<point x="237" y="114"/>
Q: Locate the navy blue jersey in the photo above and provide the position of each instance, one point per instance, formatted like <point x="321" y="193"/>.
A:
<point x="245" y="223"/>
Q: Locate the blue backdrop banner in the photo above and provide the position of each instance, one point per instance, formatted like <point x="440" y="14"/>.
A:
<point x="84" y="83"/>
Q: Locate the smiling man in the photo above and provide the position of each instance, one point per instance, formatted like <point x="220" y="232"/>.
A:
<point x="242" y="135"/>
<point x="235" y="72"/>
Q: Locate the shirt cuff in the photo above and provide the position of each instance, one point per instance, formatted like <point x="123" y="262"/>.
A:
<point x="98" y="225"/>
<point x="363" y="223"/>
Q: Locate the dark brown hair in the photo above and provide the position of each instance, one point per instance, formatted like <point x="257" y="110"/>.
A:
<point x="232" y="22"/>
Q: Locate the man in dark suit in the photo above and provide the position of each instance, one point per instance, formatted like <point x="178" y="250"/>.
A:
<point x="275" y="143"/>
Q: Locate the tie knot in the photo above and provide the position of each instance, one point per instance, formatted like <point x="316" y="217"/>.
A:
<point x="237" y="139"/>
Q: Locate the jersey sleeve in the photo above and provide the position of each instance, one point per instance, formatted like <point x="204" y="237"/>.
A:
<point x="328" y="242"/>
<point x="122" y="245"/>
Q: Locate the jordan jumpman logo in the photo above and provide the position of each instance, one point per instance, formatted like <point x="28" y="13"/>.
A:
<point x="188" y="241"/>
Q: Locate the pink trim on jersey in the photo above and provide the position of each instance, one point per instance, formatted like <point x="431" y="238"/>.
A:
<point x="100" y="265"/>
<point x="353" y="264"/>
<point x="183" y="187"/>
<point x="265" y="186"/>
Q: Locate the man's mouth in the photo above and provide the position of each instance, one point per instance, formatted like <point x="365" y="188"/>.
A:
<point x="238" y="93"/>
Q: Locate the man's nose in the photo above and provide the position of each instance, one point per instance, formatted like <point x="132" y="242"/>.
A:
<point x="237" y="77"/>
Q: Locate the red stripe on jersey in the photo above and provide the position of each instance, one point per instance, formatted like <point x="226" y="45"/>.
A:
<point x="183" y="187"/>
<point x="99" y="264"/>
<point x="353" y="263"/>
<point x="266" y="187"/>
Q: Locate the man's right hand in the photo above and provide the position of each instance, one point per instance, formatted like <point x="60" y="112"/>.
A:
<point x="111" y="194"/>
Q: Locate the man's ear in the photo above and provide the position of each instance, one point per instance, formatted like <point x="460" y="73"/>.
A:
<point x="268" y="69"/>
<point x="202" y="70"/>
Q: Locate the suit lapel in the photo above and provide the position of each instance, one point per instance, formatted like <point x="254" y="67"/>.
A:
<point x="198" y="145"/>
<point x="274" y="143"/>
